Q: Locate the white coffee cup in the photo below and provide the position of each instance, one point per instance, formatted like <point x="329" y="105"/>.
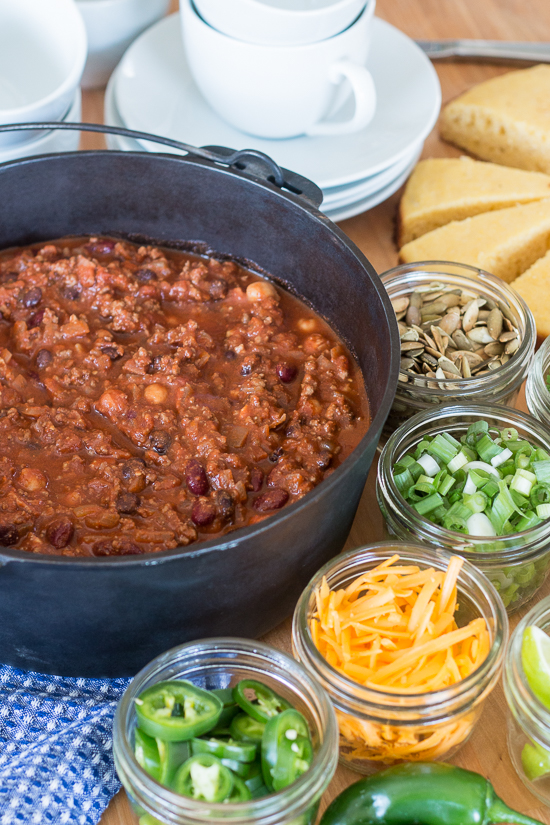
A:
<point x="282" y="91"/>
<point x="280" y="22"/>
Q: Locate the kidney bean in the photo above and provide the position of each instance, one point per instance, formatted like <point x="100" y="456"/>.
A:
<point x="113" y="352"/>
<point x="196" y="478"/>
<point x="273" y="499"/>
<point x="35" y="319"/>
<point x="160" y="441"/>
<point x="132" y="467"/>
<point x="225" y="505"/>
<point x="127" y="503"/>
<point x="60" y="532"/>
<point x="155" y="365"/>
<point x="275" y="455"/>
<point x="286" y="372"/>
<point x="43" y="358"/>
<point x="256" y="478"/>
<point x="129" y="548"/>
<point x="70" y="293"/>
<point x="146" y="275"/>
<point x="230" y="355"/>
<point x="8" y="535"/>
<point x="32" y="297"/>
<point x="103" y="548"/>
<point x="100" y="247"/>
<point x="203" y="512"/>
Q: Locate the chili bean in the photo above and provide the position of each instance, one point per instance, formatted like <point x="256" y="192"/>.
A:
<point x="155" y="365"/>
<point x="35" y="319"/>
<point x="32" y="479"/>
<point x="286" y="372"/>
<point x="103" y="548"/>
<point x="60" y="532"/>
<point x="160" y="441"/>
<point x="100" y="247"/>
<point x="146" y="275"/>
<point x="218" y="289"/>
<point x="203" y="512"/>
<point x="70" y="293"/>
<point x="275" y="455"/>
<point x="225" y="505"/>
<point x="132" y="466"/>
<point x="256" y="478"/>
<point x="155" y="394"/>
<point x="273" y="499"/>
<point x="129" y="548"/>
<point x="113" y="352"/>
<point x="43" y="358"/>
<point x="32" y="297"/>
<point x="246" y="369"/>
<point x="8" y="535"/>
<point x="127" y="503"/>
<point x="230" y="355"/>
<point x="260" y="290"/>
<point x="196" y="478"/>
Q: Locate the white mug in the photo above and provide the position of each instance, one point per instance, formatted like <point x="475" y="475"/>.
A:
<point x="281" y="91"/>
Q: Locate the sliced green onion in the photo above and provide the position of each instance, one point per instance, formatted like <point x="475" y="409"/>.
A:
<point x="509" y="434"/>
<point x="543" y="511"/>
<point x="503" y="456"/>
<point x="441" y="449"/>
<point x="482" y="465"/>
<point x="479" y="525"/>
<point x="428" y="504"/>
<point x="445" y="484"/>
<point x="476" y="502"/>
<point x="542" y="471"/>
<point x="522" y="482"/>
<point x="528" y="521"/>
<point x="429" y="464"/>
<point x="540" y="494"/>
<point x="487" y="449"/>
<point x="458" y="461"/>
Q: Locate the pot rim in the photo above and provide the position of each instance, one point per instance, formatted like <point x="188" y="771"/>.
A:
<point x="196" y="549"/>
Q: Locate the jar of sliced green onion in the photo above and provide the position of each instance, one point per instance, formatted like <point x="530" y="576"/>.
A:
<point x="474" y="480"/>
<point x="537" y="389"/>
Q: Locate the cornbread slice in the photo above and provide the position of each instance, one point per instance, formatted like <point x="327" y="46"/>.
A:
<point x="505" y="242"/>
<point x="505" y="119"/>
<point x="441" y="190"/>
<point x="534" y="288"/>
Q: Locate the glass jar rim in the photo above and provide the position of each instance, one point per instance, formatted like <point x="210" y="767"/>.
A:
<point x="471" y="275"/>
<point x="537" y="392"/>
<point x="434" y="532"/>
<point x="346" y="689"/>
<point x="265" y="809"/>
<point x="515" y="682"/>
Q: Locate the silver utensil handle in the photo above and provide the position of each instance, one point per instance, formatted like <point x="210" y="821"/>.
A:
<point x="488" y="50"/>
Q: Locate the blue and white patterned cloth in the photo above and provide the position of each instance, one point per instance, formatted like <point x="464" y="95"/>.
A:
<point x="56" y="761"/>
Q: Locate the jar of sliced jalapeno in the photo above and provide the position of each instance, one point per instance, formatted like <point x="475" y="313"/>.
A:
<point x="474" y="480"/>
<point x="225" y="728"/>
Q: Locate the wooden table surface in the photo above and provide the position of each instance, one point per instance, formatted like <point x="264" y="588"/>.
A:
<point x="486" y="751"/>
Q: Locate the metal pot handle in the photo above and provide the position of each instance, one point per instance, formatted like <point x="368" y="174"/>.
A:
<point x="251" y="161"/>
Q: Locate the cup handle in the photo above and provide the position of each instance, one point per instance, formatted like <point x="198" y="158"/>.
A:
<point x="364" y="92"/>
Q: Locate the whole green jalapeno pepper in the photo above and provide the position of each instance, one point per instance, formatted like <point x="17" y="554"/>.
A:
<point x="422" y="793"/>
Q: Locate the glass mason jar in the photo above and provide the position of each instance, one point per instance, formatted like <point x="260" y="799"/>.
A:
<point x="500" y="386"/>
<point x="517" y="564"/>
<point x="221" y="663"/>
<point x="435" y="724"/>
<point x="537" y="393"/>
<point x="528" y="718"/>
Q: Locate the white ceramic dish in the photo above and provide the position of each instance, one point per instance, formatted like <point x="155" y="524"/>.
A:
<point x="348" y="210"/>
<point x="111" y="25"/>
<point x="42" y="55"/>
<point x="156" y="93"/>
<point x="280" y="22"/>
<point x="364" y="204"/>
<point x="342" y="195"/>
<point x="48" y="142"/>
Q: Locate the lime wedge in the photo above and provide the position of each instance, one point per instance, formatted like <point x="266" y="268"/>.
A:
<point x="535" y="760"/>
<point x="535" y="657"/>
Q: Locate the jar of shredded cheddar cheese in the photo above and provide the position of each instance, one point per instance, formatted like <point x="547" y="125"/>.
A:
<point x="408" y="642"/>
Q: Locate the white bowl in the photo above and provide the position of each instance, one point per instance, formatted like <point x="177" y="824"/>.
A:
<point x="280" y="22"/>
<point x="42" y="54"/>
<point x="111" y="26"/>
<point x="56" y="140"/>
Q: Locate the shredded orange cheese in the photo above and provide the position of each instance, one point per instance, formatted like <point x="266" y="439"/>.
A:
<point x="393" y="629"/>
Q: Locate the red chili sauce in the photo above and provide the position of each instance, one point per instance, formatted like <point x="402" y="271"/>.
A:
<point x="152" y="398"/>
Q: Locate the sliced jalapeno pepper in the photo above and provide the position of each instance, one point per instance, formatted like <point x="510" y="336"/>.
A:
<point x="230" y="707"/>
<point x="204" y="777"/>
<point x="258" y="700"/>
<point x="287" y="752"/>
<point x="246" y="729"/>
<point x="172" y="755"/>
<point x="225" y="749"/>
<point x="176" y="711"/>
<point x="147" y="754"/>
<point x="255" y="778"/>
<point x="240" y="792"/>
<point x="239" y="768"/>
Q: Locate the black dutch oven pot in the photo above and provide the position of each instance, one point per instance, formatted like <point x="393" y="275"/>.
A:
<point x="110" y="616"/>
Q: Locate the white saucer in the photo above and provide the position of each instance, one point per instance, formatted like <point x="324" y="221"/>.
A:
<point x="50" y="142"/>
<point x="156" y="93"/>
<point x="364" y="204"/>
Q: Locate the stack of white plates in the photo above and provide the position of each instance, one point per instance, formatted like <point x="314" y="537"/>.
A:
<point x="49" y="142"/>
<point x="152" y="91"/>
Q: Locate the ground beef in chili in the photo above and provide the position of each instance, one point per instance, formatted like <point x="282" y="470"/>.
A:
<point x="151" y="398"/>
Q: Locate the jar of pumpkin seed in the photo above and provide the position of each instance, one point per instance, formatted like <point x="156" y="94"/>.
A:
<point x="466" y="337"/>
